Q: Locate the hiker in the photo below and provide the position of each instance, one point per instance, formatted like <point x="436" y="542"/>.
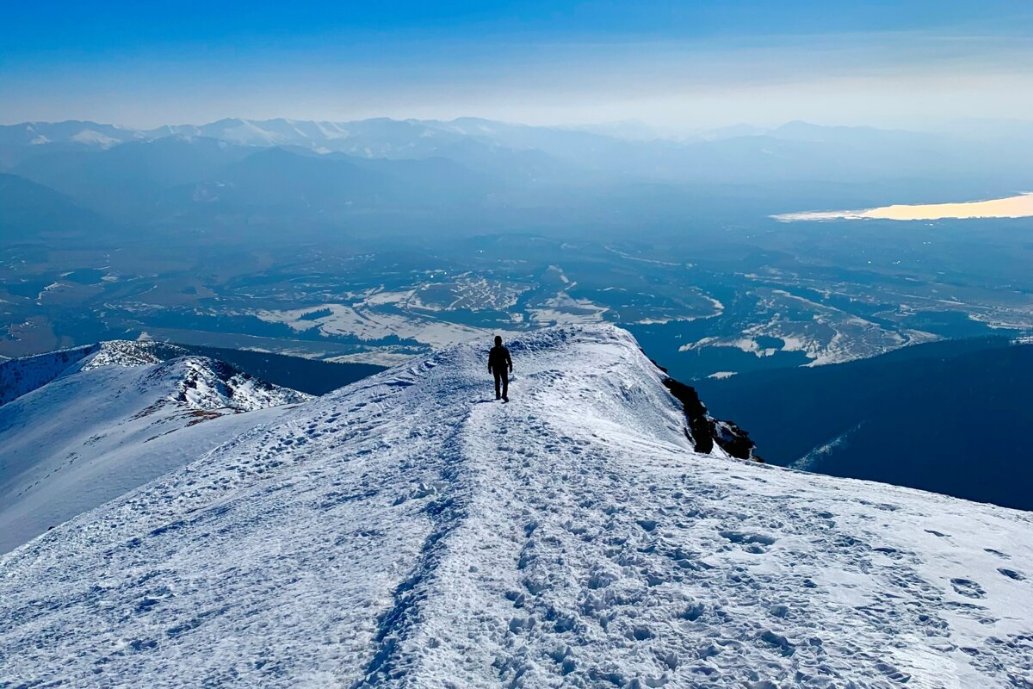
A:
<point x="500" y="365"/>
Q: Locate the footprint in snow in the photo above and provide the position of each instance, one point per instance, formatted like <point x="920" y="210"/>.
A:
<point x="747" y="538"/>
<point x="892" y="672"/>
<point x="641" y="633"/>
<point x="1012" y="574"/>
<point x="781" y="643"/>
<point x="968" y="588"/>
<point x="692" y="612"/>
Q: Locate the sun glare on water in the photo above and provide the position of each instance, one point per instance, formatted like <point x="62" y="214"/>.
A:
<point x="1020" y="206"/>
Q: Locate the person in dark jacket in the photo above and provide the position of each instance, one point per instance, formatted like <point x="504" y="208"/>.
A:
<point x="500" y="365"/>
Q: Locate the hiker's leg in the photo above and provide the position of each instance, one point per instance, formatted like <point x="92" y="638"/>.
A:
<point x="505" y="384"/>
<point x="498" y="376"/>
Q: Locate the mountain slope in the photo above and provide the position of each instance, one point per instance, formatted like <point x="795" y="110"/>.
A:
<point x="130" y="177"/>
<point x="911" y="418"/>
<point x="408" y="531"/>
<point x="21" y="376"/>
<point x="95" y="422"/>
<point x="29" y="211"/>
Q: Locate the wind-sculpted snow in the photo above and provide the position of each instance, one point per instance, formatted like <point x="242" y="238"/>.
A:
<point x="409" y="531"/>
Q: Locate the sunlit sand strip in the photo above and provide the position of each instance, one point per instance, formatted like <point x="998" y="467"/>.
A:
<point x="1020" y="206"/>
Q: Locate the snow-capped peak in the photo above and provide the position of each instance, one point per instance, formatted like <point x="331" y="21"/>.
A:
<point x="132" y="353"/>
<point x="197" y="382"/>
<point x="410" y="531"/>
<point x="82" y="426"/>
<point x="211" y="385"/>
<point x="92" y="137"/>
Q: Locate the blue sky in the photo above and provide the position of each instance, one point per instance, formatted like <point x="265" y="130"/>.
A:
<point x="677" y="65"/>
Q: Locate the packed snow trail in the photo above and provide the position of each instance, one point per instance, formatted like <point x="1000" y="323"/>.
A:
<point x="409" y="531"/>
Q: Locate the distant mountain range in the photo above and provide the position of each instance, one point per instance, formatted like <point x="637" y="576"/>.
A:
<point x="320" y="170"/>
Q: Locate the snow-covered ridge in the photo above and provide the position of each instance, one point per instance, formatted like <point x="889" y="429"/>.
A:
<point x="133" y="353"/>
<point x="23" y="375"/>
<point x="409" y="531"/>
<point x="83" y="426"/>
<point x="203" y="383"/>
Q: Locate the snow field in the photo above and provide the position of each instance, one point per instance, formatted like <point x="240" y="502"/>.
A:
<point x="409" y="531"/>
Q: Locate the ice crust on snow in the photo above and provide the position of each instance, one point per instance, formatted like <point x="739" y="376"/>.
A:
<point x="408" y="531"/>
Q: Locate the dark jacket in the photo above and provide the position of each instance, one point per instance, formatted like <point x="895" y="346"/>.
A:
<point x="498" y="359"/>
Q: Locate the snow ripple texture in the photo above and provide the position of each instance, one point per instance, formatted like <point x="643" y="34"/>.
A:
<point x="409" y="531"/>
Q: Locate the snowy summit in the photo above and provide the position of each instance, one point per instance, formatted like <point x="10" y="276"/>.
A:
<point x="409" y="531"/>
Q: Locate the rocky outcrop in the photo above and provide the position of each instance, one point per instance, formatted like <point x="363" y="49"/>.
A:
<point x="704" y="430"/>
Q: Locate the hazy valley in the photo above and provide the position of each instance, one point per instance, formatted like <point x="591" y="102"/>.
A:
<point x="288" y="237"/>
